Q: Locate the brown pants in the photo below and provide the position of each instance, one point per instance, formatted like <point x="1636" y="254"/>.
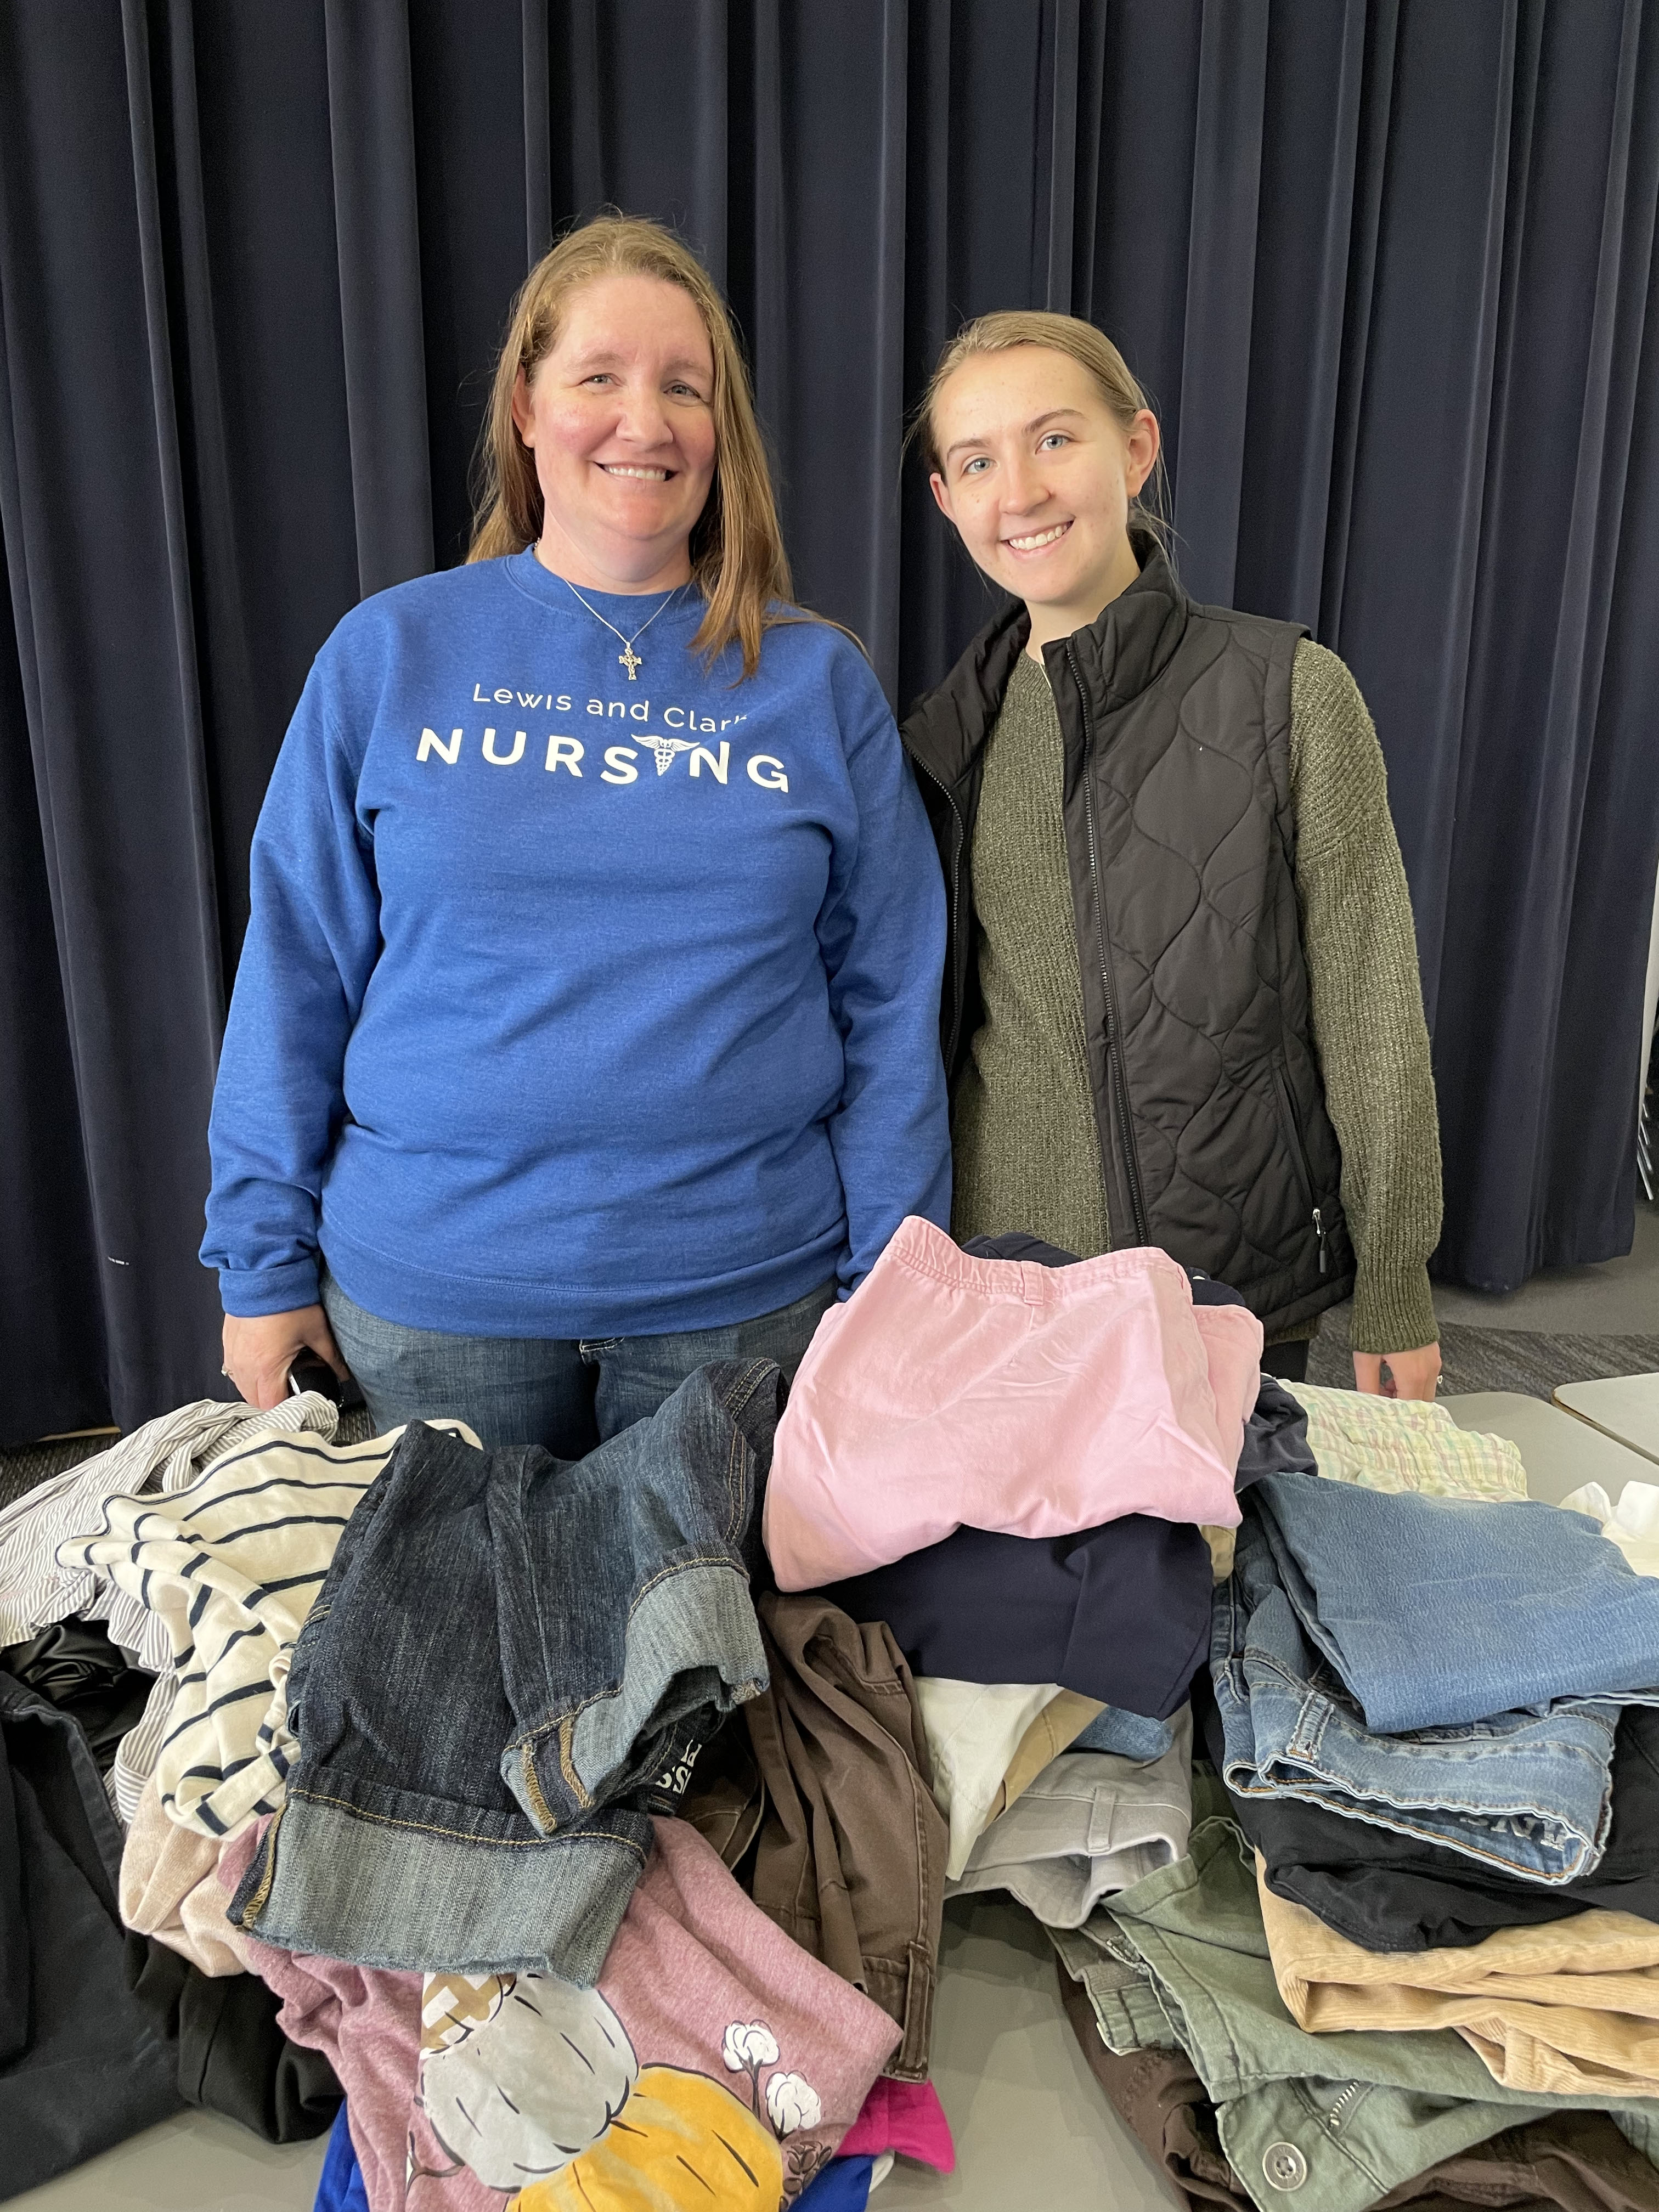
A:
<point x="850" y="1854"/>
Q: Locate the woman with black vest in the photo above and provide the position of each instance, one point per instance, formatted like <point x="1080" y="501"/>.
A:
<point x="1181" y="1004"/>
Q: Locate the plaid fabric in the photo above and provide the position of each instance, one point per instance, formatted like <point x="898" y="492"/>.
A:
<point x="1406" y="1443"/>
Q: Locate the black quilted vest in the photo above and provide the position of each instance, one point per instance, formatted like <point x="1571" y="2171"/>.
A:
<point x="1182" y="843"/>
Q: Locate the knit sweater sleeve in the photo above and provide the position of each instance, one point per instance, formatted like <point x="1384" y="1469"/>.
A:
<point x="1367" y="1002"/>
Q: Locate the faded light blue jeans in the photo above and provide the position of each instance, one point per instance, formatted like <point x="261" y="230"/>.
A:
<point x="1527" y="1791"/>
<point x="568" y="1395"/>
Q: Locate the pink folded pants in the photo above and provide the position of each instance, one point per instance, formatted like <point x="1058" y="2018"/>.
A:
<point x="949" y="1390"/>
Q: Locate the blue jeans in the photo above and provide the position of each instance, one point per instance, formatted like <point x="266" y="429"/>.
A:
<point x="513" y="1664"/>
<point x="1438" y="1612"/>
<point x="1526" y="1792"/>
<point x="565" y="1396"/>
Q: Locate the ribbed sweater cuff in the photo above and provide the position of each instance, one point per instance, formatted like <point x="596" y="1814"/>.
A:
<point x="250" y="1292"/>
<point x="1393" y="1311"/>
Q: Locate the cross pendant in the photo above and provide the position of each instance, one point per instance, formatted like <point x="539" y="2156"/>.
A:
<point x="630" y="659"/>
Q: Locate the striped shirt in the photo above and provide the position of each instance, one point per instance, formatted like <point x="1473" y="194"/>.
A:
<point x="37" y="1590"/>
<point x="229" y="1566"/>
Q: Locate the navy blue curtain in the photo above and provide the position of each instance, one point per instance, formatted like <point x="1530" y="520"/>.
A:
<point x="1384" y="265"/>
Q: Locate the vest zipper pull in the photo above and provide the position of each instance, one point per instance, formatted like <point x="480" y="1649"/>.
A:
<point x="1324" y="1257"/>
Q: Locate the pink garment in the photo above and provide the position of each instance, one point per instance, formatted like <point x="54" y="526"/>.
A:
<point x="906" y="2117"/>
<point x="170" y="1889"/>
<point x="367" y="2022"/>
<point x="710" y="2030"/>
<point x="995" y="1393"/>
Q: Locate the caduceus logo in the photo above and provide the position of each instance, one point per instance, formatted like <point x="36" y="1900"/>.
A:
<point x="664" y="748"/>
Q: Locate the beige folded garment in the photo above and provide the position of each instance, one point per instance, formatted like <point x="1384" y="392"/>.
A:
<point x="1055" y="1728"/>
<point x="1570" y="2009"/>
<point x="170" y="1889"/>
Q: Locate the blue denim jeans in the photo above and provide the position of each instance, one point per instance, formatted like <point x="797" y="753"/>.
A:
<point x="1528" y="1792"/>
<point x="513" y="1663"/>
<point x="1439" y="1611"/>
<point x="565" y="1396"/>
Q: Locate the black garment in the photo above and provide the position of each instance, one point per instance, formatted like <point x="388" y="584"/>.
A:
<point x="1015" y="1244"/>
<point x="1389" y="1892"/>
<point x="81" y="2065"/>
<point x="1275" y="1437"/>
<point x="1180" y="834"/>
<point x="232" y="2057"/>
<point x="74" y="1665"/>
<point x="1120" y="1613"/>
<point x="1288" y="1361"/>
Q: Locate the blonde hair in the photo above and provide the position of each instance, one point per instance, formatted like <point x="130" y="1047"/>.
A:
<point x="1092" y="350"/>
<point x="737" y="559"/>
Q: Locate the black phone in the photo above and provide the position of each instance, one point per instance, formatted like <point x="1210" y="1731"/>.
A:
<point x="309" y="1370"/>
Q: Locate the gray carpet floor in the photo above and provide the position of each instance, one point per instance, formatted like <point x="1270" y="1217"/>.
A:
<point x="1527" y="1360"/>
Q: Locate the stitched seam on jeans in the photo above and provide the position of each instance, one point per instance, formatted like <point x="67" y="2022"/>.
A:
<point x="256" y="1904"/>
<point x="742" y="1391"/>
<point x="539" y="1805"/>
<point x="465" y="1836"/>
<point x="599" y="1697"/>
<point x="744" y="1388"/>
<point x="1409" y="1819"/>
<point x="1306" y="1749"/>
<point x="567" y="1763"/>
<point x="734" y="1485"/>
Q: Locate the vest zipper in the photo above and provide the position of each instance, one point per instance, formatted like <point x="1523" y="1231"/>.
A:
<point x="958" y="842"/>
<point x="1293" y="1129"/>
<point x="1114" y="1040"/>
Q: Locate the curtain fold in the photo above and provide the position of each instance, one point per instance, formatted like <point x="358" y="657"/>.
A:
<point x="1384" y="265"/>
<point x="1221" y="258"/>
<point x="90" y="508"/>
<point x="377" y="233"/>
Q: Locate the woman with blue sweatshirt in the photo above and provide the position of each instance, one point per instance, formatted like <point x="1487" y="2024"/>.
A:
<point x="585" y="1028"/>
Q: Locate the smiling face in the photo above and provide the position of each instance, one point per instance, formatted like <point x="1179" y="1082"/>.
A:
<point x="1037" y="473"/>
<point x="619" y="416"/>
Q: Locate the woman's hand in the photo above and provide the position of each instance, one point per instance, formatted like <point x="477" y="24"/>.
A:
<point x="259" y="1350"/>
<point x="1411" y="1374"/>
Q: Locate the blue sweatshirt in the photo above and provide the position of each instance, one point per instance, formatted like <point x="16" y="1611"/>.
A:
<point x="578" y="1002"/>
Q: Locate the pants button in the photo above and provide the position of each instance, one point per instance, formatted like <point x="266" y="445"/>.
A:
<point x="1284" y="2165"/>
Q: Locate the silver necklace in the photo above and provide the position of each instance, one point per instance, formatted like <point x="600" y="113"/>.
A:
<point x="632" y="661"/>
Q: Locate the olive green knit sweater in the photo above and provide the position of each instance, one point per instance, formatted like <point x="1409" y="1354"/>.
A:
<point x="1023" y="1125"/>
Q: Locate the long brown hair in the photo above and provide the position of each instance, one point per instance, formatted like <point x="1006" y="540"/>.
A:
<point x="738" y="559"/>
<point x="1092" y="350"/>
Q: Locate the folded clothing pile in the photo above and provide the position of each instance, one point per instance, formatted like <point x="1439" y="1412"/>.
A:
<point x="957" y="1388"/>
<point x="712" y="2047"/>
<point x="96" y="1692"/>
<point x="1177" y="2003"/>
<point x="424" y="1708"/>
<point x="1450" y="1669"/>
<point x="513" y="1664"/>
<point x="1010" y="1459"/>
<point x="423" y="1716"/>
<point x="1410" y="1957"/>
